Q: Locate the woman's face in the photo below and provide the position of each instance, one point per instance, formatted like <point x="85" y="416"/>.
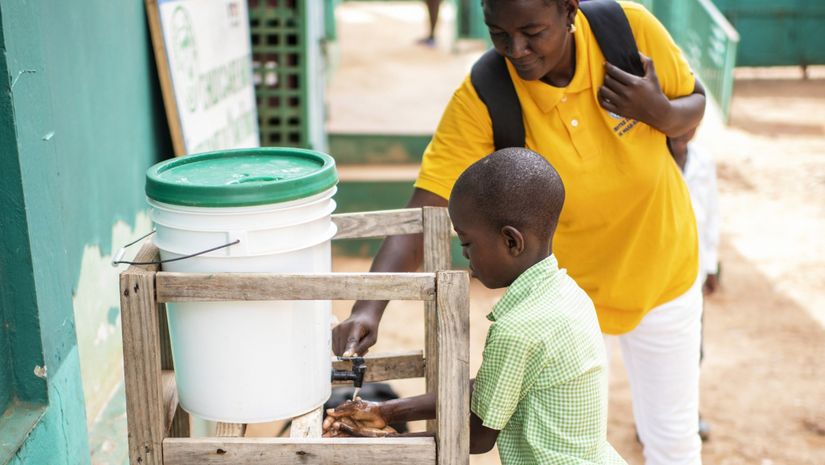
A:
<point x="533" y="34"/>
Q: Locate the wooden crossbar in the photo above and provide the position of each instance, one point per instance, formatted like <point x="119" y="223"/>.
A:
<point x="315" y="451"/>
<point x="378" y="223"/>
<point x="208" y="287"/>
<point x="389" y="365"/>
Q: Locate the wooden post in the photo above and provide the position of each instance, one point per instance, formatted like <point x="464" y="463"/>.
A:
<point x="436" y="223"/>
<point x="230" y="430"/>
<point x="453" y="354"/>
<point x="142" y="361"/>
<point x="307" y="425"/>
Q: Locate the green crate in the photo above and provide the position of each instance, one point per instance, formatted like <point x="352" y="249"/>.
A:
<point x="279" y="45"/>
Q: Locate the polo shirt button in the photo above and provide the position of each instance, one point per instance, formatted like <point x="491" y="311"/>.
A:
<point x="563" y="98"/>
<point x="574" y="123"/>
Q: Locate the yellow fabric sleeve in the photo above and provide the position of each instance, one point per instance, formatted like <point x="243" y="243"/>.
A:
<point x="464" y="135"/>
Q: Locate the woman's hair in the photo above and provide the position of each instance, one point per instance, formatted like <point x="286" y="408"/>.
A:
<point x="513" y="187"/>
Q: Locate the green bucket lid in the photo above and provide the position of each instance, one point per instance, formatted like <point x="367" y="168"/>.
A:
<point x="243" y="177"/>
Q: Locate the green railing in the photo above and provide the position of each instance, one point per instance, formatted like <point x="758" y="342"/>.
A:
<point x="708" y="40"/>
<point x="469" y="20"/>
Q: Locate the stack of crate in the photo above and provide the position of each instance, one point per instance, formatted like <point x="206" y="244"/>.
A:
<point x="287" y="59"/>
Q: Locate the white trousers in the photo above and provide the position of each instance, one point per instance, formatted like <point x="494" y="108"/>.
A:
<point x="661" y="357"/>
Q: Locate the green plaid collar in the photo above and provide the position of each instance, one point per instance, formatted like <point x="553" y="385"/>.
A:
<point x="544" y="272"/>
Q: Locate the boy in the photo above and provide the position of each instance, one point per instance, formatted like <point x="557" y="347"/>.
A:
<point x="699" y="171"/>
<point x="541" y="391"/>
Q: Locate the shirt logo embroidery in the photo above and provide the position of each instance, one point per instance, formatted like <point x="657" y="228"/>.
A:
<point x="624" y="126"/>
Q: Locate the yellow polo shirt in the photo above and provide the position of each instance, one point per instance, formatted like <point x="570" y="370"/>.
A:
<point x="627" y="234"/>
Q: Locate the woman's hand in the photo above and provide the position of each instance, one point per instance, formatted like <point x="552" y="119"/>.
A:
<point x="355" y="335"/>
<point x="640" y="98"/>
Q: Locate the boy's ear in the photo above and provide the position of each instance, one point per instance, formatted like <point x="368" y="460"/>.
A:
<point x="513" y="239"/>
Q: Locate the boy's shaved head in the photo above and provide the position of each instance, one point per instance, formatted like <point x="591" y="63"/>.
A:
<point x="515" y="187"/>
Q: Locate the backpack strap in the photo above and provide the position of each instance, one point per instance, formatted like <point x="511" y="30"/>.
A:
<point x="612" y="30"/>
<point x="494" y="87"/>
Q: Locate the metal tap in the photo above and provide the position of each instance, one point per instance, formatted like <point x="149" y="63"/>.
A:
<point x="356" y="375"/>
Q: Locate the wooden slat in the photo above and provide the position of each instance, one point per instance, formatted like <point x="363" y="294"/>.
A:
<point x="230" y="430"/>
<point x="170" y="398"/>
<point x="307" y="425"/>
<point x="387" y="366"/>
<point x="166" y="361"/>
<point x="141" y="361"/>
<point x="378" y="223"/>
<point x="453" y="404"/>
<point x="437" y="227"/>
<point x="180" y="424"/>
<point x="288" y="451"/>
<point x="205" y="287"/>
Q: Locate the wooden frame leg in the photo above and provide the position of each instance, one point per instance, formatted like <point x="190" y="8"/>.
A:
<point x="436" y="224"/>
<point x="142" y="367"/>
<point x="453" y="352"/>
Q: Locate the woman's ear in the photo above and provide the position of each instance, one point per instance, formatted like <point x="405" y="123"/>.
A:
<point x="513" y="239"/>
<point x="571" y="7"/>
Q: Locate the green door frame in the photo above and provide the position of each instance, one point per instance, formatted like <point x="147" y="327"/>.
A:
<point x="23" y="397"/>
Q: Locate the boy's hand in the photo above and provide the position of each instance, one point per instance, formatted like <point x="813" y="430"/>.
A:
<point x="357" y="418"/>
<point x="711" y="284"/>
<point x="353" y="428"/>
<point x="367" y="414"/>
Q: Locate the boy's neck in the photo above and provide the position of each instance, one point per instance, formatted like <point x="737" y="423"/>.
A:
<point x="531" y="259"/>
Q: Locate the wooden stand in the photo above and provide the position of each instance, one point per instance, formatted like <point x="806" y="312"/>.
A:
<point x="159" y="428"/>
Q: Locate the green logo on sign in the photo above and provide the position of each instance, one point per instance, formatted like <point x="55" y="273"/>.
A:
<point x="185" y="53"/>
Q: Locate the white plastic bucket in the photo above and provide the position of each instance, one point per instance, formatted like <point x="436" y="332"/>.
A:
<point x="250" y="362"/>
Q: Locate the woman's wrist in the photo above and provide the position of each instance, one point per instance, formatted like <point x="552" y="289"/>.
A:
<point x="372" y="309"/>
<point x="661" y="114"/>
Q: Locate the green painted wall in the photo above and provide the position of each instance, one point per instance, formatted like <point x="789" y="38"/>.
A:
<point x="60" y="436"/>
<point x="84" y="120"/>
<point x="777" y="32"/>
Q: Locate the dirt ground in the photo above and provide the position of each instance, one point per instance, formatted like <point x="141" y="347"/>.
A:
<point x="763" y="379"/>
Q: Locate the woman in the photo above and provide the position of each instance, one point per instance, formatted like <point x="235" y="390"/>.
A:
<point x="627" y="233"/>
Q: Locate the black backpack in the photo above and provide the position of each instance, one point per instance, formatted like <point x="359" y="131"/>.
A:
<point x="493" y="85"/>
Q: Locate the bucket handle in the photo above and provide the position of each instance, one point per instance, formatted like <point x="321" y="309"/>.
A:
<point x="120" y="253"/>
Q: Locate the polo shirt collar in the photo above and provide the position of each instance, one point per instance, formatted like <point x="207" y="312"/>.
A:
<point x="543" y="272"/>
<point x="547" y="96"/>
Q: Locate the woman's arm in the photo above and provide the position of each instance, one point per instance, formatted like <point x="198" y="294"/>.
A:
<point x="358" y="333"/>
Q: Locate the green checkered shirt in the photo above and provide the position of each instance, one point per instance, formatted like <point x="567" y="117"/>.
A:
<point x="543" y="379"/>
